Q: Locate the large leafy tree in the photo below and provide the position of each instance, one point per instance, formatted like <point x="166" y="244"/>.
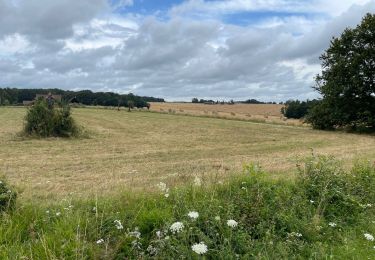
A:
<point x="347" y="81"/>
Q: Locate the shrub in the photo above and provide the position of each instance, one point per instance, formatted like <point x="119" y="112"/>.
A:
<point x="44" y="121"/>
<point x="7" y="197"/>
<point x="298" y="109"/>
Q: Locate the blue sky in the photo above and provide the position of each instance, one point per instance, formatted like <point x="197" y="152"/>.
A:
<point x="218" y="49"/>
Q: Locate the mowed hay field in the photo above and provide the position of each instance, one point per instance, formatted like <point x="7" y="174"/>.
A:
<point x="270" y="113"/>
<point x="135" y="151"/>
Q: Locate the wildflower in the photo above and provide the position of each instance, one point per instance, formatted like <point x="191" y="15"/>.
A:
<point x="166" y="195"/>
<point x="197" y="181"/>
<point x="163" y="187"/>
<point x="217" y="218"/>
<point x="193" y="215"/>
<point x="232" y="223"/>
<point x="312" y="202"/>
<point x="369" y="237"/>
<point x="94" y="209"/>
<point x="100" y="241"/>
<point x="331" y="224"/>
<point x="200" y="248"/>
<point x="58" y="213"/>
<point x="135" y="233"/>
<point x="167" y="238"/>
<point x="159" y="234"/>
<point x="176" y="227"/>
<point x="47" y="211"/>
<point x="152" y="250"/>
<point x="295" y="234"/>
<point x="118" y="224"/>
<point x="244" y="188"/>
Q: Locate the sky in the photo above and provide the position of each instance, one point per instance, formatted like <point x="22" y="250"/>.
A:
<point x="175" y="49"/>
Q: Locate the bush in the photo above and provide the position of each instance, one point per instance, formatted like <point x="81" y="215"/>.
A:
<point x="298" y="109"/>
<point x="7" y="197"/>
<point x="44" y="121"/>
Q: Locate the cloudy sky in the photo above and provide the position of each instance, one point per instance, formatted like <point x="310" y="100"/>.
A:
<point x="175" y="49"/>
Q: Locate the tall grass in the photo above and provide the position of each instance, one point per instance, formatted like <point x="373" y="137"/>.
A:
<point x="324" y="213"/>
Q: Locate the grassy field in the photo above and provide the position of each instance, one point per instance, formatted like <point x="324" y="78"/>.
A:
<point x="146" y="185"/>
<point x="268" y="113"/>
<point x="134" y="151"/>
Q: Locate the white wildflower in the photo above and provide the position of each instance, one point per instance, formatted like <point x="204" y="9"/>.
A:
<point x="166" y="195"/>
<point x="332" y="224"/>
<point x="94" y="209"/>
<point x="197" y="181"/>
<point x="200" y="248"/>
<point x="135" y="233"/>
<point x="118" y="224"/>
<point x="152" y="250"/>
<point x="312" y="202"/>
<point x="159" y="234"/>
<point x="193" y="215"/>
<point x="232" y="223"/>
<point x="177" y="227"/>
<point x="167" y="238"/>
<point x="163" y="187"/>
<point x="295" y="234"/>
<point x="100" y="241"/>
<point x="47" y="211"/>
<point x="217" y="218"/>
<point x="58" y="213"/>
<point x="369" y="237"/>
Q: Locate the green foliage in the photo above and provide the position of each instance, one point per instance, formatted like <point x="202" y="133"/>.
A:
<point x="347" y="81"/>
<point x="43" y="121"/>
<point x="85" y="97"/>
<point x="7" y="197"/>
<point x="324" y="213"/>
<point x="298" y="109"/>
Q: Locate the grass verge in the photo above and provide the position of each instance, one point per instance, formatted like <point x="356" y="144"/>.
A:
<point x="326" y="212"/>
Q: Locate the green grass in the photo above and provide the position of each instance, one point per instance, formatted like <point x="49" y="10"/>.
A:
<point x="270" y="214"/>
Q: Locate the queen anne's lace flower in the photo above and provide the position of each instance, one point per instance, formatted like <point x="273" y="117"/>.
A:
<point x="118" y="224"/>
<point x="193" y="215"/>
<point x="177" y="227"/>
<point x="369" y="237"/>
<point x="100" y="241"/>
<point x="232" y="223"/>
<point x="200" y="248"/>
<point x="332" y="224"/>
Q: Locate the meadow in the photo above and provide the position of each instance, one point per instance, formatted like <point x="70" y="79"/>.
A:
<point x="146" y="185"/>
<point x="262" y="113"/>
<point x="134" y="151"/>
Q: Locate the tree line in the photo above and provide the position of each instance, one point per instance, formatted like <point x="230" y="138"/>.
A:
<point x="15" y="96"/>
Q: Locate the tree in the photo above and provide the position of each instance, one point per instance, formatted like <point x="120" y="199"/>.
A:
<point x="297" y="109"/>
<point x="347" y="81"/>
<point x="130" y="105"/>
<point x="195" y="100"/>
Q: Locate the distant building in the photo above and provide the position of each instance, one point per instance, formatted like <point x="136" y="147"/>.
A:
<point x="27" y="103"/>
<point x="49" y="96"/>
<point x="57" y="98"/>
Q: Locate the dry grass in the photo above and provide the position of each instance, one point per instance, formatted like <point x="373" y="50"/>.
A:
<point x="136" y="150"/>
<point x="269" y="113"/>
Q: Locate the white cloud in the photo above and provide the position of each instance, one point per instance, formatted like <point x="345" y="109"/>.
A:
<point x="178" y="58"/>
